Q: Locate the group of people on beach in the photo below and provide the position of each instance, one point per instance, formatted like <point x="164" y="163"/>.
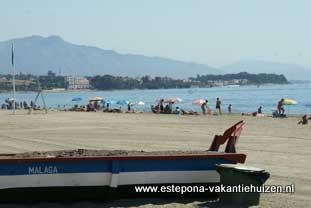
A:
<point x="278" y="113"/>
<point x="206" y="110"/>
<point x="166" y="107"/>
<point x="97" y="105"/>
<point x="162" y="107"/>
<point x="9" y="105"/>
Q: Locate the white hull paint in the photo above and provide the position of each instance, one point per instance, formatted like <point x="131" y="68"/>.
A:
<point x="107" y="179"/>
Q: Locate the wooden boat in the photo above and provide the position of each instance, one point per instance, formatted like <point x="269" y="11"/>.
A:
<point x="68" y="178"/>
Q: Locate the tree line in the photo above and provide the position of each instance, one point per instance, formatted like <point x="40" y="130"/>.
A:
<point x="109" y="82"/>
<point x="29" y="82"/>
<point x="244" y="77"/>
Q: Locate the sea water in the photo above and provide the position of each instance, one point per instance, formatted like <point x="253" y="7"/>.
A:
<point x="243" y="98"/>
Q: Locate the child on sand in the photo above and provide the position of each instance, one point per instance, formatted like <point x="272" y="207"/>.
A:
<point x="304" y="120"/>
<point x="177" y="111"/>
<point x="229" y="108"/>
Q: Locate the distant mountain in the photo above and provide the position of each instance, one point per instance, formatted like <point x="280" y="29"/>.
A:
<point x="38" y="54"/>
<point x="291" y="71"/>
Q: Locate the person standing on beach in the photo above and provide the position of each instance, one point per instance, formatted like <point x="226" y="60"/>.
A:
<point x="218" y="105"/>
<point x="170" y="105"/>
<point x="229" y="108"/>
<point x="107" y="106"/>
<point x="204" y="107"/>
<point x="161" y="107"/>
<point x="25" y="105"/>
<point x="280" y="106"/>
<point x="32" y="104"/>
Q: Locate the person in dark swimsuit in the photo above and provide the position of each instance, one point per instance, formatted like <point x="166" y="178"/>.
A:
<point x="229" y="108"/>
<point x="281" y="109"/>
<point x="259" y="110"/>
<point x="218" y="105"/>
<point x="161" y="105"/>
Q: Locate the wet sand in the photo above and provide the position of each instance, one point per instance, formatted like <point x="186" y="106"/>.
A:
<point x="278" y="145"/>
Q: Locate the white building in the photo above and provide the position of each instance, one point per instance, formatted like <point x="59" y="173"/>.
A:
<point x="76" y="83"/>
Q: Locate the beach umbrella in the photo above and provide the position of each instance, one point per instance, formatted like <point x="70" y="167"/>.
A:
<point x="140" y="103"/>
<point x="76" y="99"/>
<point x="173" y="100"/>
<point x="96" y="99"/>
<point x="122" y="102"/>
<point x="288" y="101"/>
<point x="198" y="102"/>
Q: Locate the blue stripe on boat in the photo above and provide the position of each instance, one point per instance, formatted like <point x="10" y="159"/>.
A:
<point x="109" y="166"/>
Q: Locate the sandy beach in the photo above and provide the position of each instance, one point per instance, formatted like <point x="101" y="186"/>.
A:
<point x="278" y="145"/>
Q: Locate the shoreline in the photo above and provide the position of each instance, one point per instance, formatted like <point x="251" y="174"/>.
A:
<point x="266" y="115"/>
<point x="112" y="90"/>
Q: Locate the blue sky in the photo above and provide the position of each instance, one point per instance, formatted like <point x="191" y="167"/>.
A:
<point x="214" y="32"/>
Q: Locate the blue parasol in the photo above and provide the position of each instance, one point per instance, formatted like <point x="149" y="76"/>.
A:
<point x="76" y="99"/>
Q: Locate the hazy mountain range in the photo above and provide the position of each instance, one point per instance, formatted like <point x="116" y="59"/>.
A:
<point x="37" y="55"/>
